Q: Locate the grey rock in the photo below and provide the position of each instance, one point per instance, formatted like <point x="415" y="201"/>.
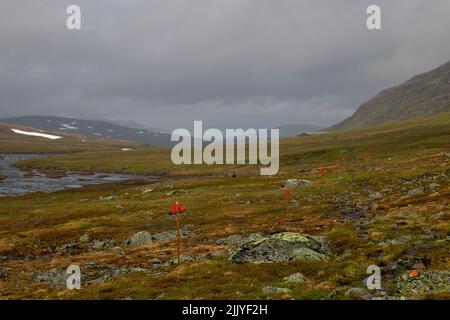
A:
<point x="108" y="198"/>
<point x="162" y="295"/>
<point x="139" y="239"/>
<point x="183" y="258"/>
<point x="53" y="277"/>
<point x="415" y="192"/>
<point x="375" y="196"/>
<point x="293" y="183"/>
<point x="69" y="248"/>
<point x="84" y="238"/>
<point x="281" y="247"/>
<point x="271" y="290"/>
<point x="295" y="278"/>
<point x="101" y="244"/>
<point x="434" y="185"/>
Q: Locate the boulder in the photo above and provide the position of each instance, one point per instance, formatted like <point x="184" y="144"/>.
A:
<point x="293" y="183"/>
<point x="270" y="290"/>
<point x="281" y="247"/>
<point x="53" y="277"/>
<point x="295" y="278"/>
<point x="139" y="239"/>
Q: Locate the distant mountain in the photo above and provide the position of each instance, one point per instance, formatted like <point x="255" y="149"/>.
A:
<point x="291" y="130"/>
<point x="424" y="94"/>
<point x="16" y="138"/>
<point x="132" y="124"/>
<point x="93" y="128"/>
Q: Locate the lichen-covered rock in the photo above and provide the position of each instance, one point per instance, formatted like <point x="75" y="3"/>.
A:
<point x="139" y="239"/>
<point x="281" y="247"/>
<point x="53" y="277"/>
<point x="292" y="183"/>
<point x="426" y="281"/>
<point x="295" y="278"/>
<point x="271" y="290"/>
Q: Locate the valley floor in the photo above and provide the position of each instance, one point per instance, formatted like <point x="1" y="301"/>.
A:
<point x="383" y="201"/>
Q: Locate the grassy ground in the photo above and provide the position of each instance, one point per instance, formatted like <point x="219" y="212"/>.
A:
<point x="378" y="143"/>
<point x="392" y="230"/>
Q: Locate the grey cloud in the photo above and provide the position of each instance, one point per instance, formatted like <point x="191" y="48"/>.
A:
<point x="250" y="63"/>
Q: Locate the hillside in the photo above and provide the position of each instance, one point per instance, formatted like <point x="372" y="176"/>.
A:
<point x="12" y="142"/>
<point x="424" y="94"/>
<point x="93" y="128"/>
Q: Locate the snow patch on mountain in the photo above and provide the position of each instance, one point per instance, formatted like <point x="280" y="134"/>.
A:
<point x="36" y="134"/>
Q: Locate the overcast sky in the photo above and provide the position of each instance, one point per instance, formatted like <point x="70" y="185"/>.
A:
<point x="231" y="63"/>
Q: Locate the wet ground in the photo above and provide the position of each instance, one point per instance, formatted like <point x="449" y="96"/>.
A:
<point x="19" y="182"/>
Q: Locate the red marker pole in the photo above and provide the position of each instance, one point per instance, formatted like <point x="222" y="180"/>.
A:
<point x="178" y="234"/>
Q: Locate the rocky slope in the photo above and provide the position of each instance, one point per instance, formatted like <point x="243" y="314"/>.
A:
<point x="424" y="94"/>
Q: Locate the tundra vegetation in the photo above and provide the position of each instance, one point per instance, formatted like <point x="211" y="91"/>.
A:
<point x="383" y="200"/>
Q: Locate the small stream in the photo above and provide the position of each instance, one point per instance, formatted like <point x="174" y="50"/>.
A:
<point x="18" y="182"/>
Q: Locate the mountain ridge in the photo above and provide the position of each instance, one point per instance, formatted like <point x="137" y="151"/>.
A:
<point x="92" y="128"/>
<point x="424" y="94"/>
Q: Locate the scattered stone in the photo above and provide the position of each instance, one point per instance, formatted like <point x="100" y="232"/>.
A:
<point x="295" y="278"/>
<point x="108" y="198"/>
<point x="183" y="258"/>
<point x="53" y="277"/>
<point x="162" y="295"/>
<point x="119" y="251"/>
<point x="434" y="185"/>
<point x="415" y="192"/>
<point x="281" y="247"/>
<point x="69" y="248"/>
<point x="375" y="196"/>
<point x="84" y="238"/>
<point x="271" y="290"/>
<point x="425" y="281"/>
<point x="139" y="239"/>
<point x="292" y="183"/>
<point x="101" y="244"/>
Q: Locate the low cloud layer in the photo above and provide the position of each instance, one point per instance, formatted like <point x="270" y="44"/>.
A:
<point x="230" y="63"/>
